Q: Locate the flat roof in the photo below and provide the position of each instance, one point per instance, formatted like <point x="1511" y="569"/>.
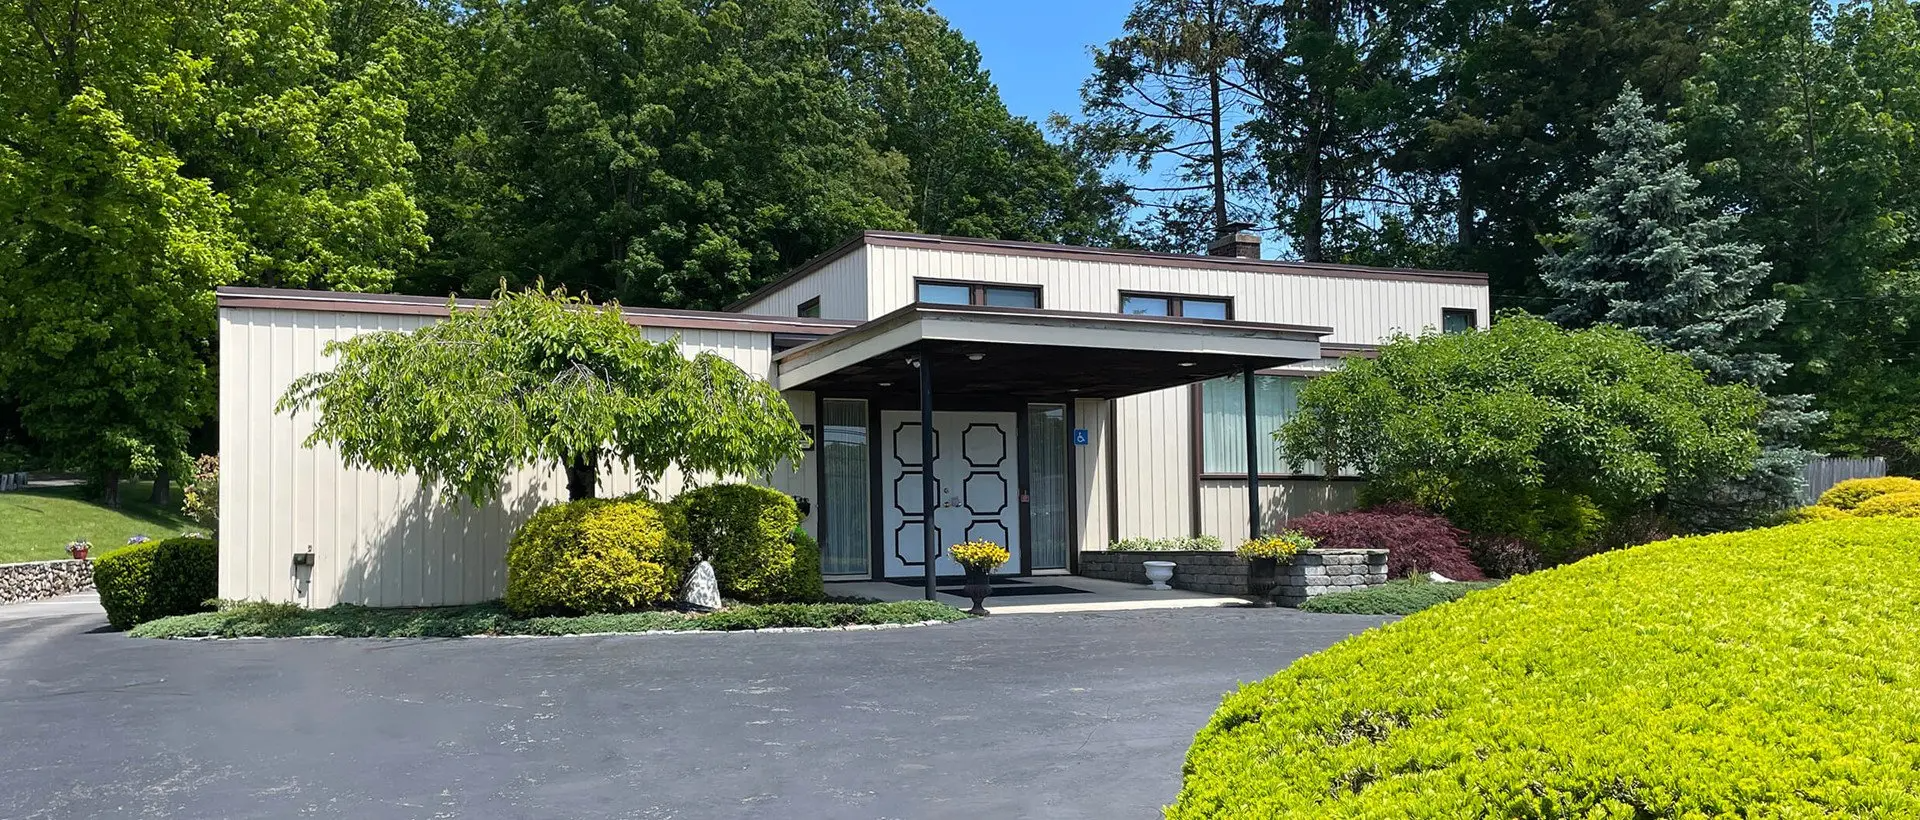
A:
<point x="1043" y="250"/>
<point x="396" y="304"/>
<point x="1034" y="353"/>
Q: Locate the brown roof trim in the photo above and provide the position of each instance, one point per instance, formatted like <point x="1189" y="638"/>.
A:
<point x="401" y="305"/>
<point x="1342" y="350"/>
<point x="1043" y="250"/>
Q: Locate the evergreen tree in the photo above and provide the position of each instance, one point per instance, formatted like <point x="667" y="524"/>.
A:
<point x="1647" y="252"/>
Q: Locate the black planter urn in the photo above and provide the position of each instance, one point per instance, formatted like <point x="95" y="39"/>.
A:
<point x="1263" y="574"/>
<point x="979" y="586"/>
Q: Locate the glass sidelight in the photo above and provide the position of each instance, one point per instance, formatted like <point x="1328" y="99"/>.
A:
<point x="1047" y="485"/>
<point x="846" y="498"/>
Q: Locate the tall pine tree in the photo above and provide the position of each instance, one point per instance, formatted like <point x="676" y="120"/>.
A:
<point x="1645" y="251"/>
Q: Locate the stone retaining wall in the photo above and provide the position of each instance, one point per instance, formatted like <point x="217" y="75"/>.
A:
<point x="1318" y="572"/>
<point x="1220" y="573"/>
<point x="44" y="579"/>
<point x="1314" y="572"/>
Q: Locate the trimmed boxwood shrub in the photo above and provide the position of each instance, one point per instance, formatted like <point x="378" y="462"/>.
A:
<point x="1415" y="540"/>
<point x="595" y="555"/>
<point x="1850" y="493"/>
<point x="1805" y="515"/>
<point x="748" y="532"/>
<point x="1769" y="673"/>
<point x="156" y="579"/>
<point x="1901" y="504"/>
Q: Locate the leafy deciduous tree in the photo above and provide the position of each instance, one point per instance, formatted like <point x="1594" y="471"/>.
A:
<point x="539" y="378"/>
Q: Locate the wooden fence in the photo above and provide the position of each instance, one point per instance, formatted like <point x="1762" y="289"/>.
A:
<point x="1825" y="472"/>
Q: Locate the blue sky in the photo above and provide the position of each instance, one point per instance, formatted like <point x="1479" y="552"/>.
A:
<point x="1037" y="49"/>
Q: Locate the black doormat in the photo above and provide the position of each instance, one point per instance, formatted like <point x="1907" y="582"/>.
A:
<point x="1028" y="589"/>
<point x="950" y="580"/>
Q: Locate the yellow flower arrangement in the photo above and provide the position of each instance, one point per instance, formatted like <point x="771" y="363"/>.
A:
<point x="1280" y="546"/>
<point x="981" y="555"/>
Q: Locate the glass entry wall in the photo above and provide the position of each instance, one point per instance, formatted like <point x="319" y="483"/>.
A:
<point x="1048" y="533"/>
<point x="846" y="495"/>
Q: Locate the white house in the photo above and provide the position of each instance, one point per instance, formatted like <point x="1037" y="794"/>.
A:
<point x="1076" y="396"/>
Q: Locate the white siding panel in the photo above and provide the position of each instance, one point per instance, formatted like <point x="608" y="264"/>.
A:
<point x="1092" y="496"/>
<point x="378" y="539"/>
<point x="840" y="284"/>
<point x="1223" y="504"/>
<point x="1360" y="311"/>
<point x="1154" y="438"/>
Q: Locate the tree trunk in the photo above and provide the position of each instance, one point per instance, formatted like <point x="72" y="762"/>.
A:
<point x="162" y="488"/>
<point x="1219" y="157"/>
<point x="110" y="489"/>
<point x="581" y="478"/>
<point x="1463" y="212"/>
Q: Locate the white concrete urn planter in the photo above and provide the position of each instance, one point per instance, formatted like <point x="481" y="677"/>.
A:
<point x="1158" y="574"/>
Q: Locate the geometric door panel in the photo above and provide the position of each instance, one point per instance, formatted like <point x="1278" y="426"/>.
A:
<point x="976" y="473"/>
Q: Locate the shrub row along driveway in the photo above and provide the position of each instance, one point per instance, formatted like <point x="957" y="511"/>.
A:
<point x="1016" y="716"/>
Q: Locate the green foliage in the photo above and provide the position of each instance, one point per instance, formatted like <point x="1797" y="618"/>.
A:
<point x="259" y="620"/>
<point x="1399" y="597"/>
<point x="747" y="531"/>
<point x="159" y="578"/>
<point x="1646" y="252"/>
<point x="1197" y="543"/>
<point x="1848" y="494"/>
<point x="1807" y="515"/>
<point x="1714" y="676"/>
<point x="1901" y="505"/>
<point x="1566" y="422"/>
<point x="595" y="556"/>
<point x="539" y="378"/>
<point x="151" y="152"/>
<point x="201" y="498"/>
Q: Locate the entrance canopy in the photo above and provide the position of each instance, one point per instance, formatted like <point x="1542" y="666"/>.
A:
<point x="1041" y="354"/>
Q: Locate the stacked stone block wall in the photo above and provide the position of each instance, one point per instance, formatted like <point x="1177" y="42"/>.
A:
<point x="1314" y="572"/>
<point x="44" y="579"/>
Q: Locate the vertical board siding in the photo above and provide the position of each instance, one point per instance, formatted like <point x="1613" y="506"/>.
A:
<point x="1154" y="436"/>
<point x="377" y="539"/>
<point x="1360" y="311"/>
<point x="1223" y="504"/>
<point x="840" y="284"/>
<point x="1092" y="473"/>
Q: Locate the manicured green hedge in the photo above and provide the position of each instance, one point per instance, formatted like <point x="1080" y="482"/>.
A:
<point x="1402" y="597"/>
<point x="142" y="582"/>
<point x="595" y="555"/>
<point x="258" y="620"/>
<point x="1769" y="673"/>
<point x="748" y="534"/>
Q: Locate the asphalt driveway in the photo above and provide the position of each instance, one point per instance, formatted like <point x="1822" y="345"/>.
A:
<point x="1051" y="716"/>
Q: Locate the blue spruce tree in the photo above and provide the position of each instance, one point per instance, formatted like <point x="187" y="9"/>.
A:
<point x="1645" y="251"/>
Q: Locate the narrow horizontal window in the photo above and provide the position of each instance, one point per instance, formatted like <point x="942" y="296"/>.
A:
<point x="975" y="293"/>
<point x="1163" y="304"/>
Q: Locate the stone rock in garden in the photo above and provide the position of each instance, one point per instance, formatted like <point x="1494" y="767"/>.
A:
<point x="1438" y="578"/>
<point x="702" y="590"/>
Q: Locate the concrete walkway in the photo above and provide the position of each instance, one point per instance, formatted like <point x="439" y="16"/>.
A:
<point x="1059" y="716"/>
<point x="1087" y="595"/>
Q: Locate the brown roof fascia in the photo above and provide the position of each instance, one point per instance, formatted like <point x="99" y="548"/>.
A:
<point x="401" y="305"/>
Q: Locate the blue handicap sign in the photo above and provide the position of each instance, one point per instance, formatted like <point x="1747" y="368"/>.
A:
<point x="1080" y="435"/>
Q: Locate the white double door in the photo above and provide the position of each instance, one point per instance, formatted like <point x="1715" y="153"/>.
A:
<point x="976" y="471"/>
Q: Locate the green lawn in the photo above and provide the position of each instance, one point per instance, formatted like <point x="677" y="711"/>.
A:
<point x="36" y="524"/>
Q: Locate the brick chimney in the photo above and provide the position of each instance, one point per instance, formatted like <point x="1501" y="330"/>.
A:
<point x="1235" y="239"/>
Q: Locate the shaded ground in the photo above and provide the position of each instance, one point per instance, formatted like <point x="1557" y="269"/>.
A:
<point x="1066" y="716"/>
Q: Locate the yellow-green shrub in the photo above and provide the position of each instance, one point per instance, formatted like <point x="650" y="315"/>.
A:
<point x="1768" y="673"/>
<point x="156" y="579"/>
<point x="1901" y="505"/>
<point x="594" y="556"/>
<point x="748" y="532"/>
<point x="1816" y="512"/>
<point x="1850" y="493"/>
